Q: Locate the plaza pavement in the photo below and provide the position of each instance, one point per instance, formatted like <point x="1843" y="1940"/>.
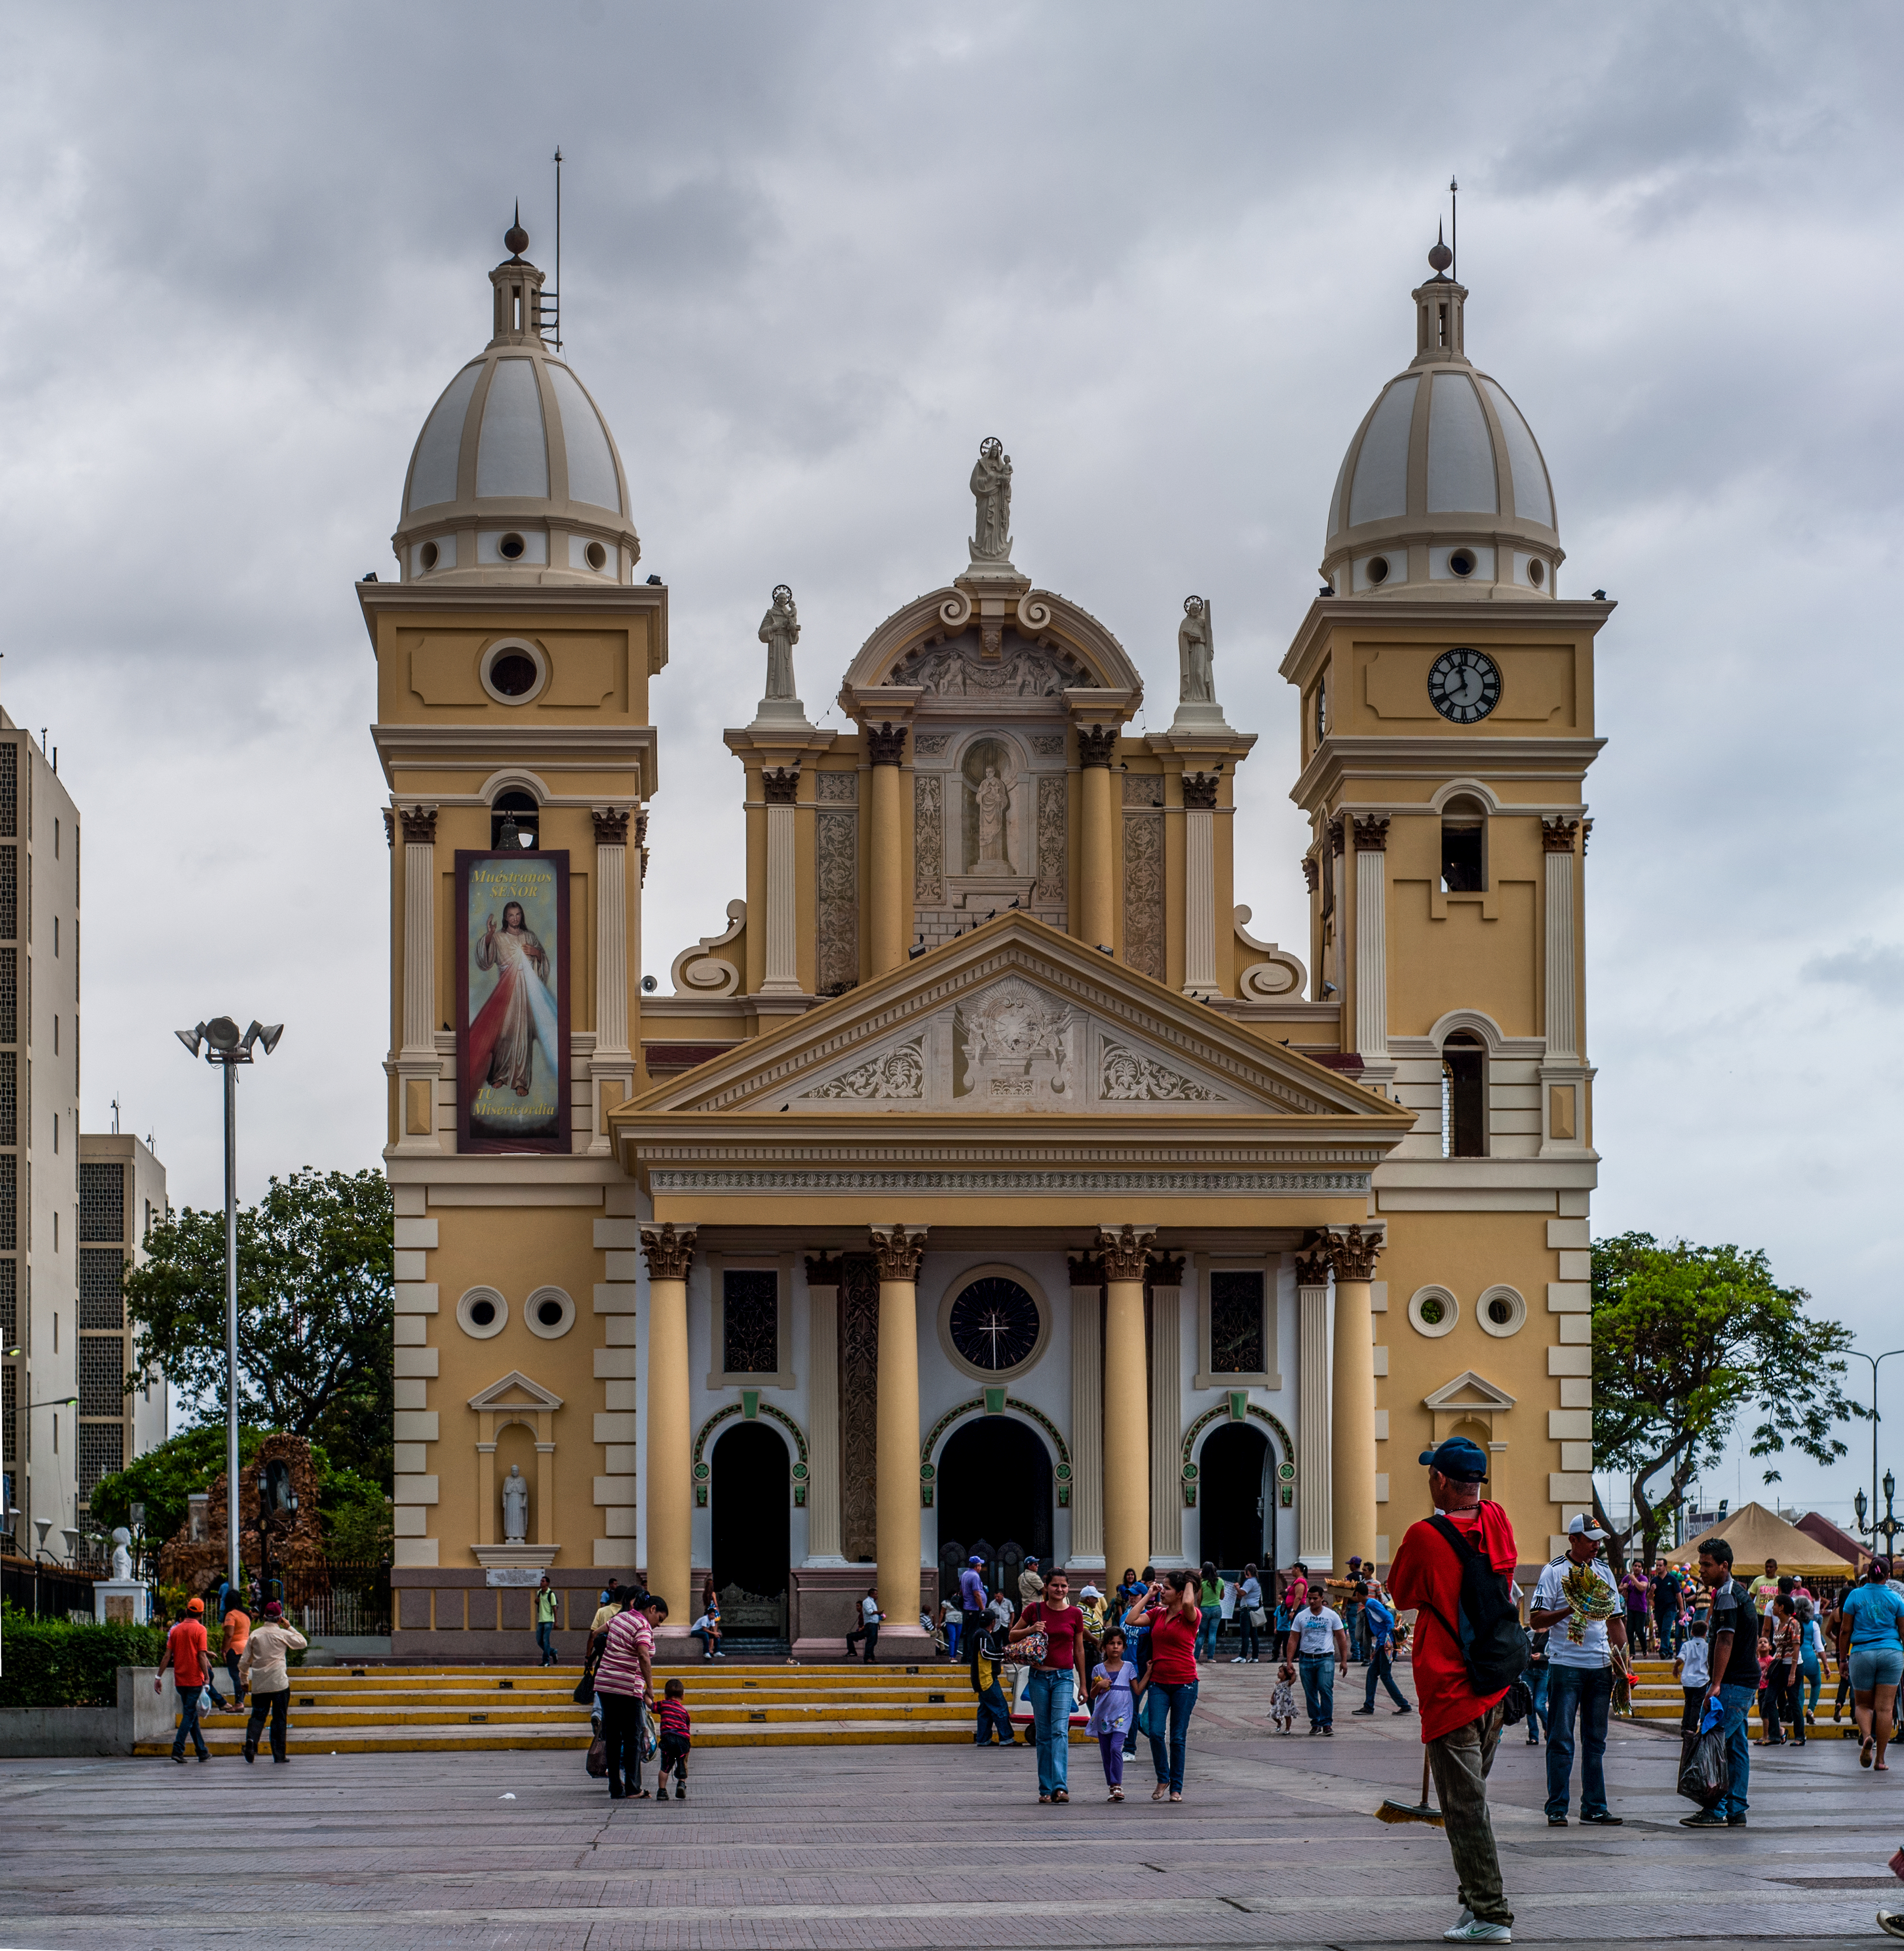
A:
<point x="927" y="1847"/>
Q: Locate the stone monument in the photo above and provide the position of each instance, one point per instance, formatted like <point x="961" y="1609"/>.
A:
<point x="991" y="490"/>
<point x="515" y="1507"/>
<point x="780" y="631"/>
<point x="121" y="1598"/>
<point x="1197" y="709"/>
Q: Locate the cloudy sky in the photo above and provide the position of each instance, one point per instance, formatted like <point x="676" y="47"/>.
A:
<point x="812" y="254"/>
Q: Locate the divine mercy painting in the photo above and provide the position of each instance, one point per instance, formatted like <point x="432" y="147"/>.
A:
<point x="513" y="1018"/>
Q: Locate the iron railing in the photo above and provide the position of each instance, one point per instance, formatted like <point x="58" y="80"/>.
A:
<point x="337" y="1601"/>
<point x="47" y="1591"/>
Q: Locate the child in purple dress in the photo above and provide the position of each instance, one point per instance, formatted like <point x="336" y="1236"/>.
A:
<point x="1114" y="1688"/>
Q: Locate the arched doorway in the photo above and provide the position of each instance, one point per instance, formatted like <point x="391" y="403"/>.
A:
<point x="1237" y="1497"/>
<point x="751" y="1518"/>
<point x="994" y="1493"/>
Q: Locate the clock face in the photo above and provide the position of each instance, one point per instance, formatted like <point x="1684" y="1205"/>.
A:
<point x="994" y="1325"/>
<point x="1465" y="686"/>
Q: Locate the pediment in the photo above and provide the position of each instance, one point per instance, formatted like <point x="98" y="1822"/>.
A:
<point x="1014" y="1018"/>
<point x="515" y="1390"/>
<point x="1469" y="1392"/>
<point x="1046" y="645"/>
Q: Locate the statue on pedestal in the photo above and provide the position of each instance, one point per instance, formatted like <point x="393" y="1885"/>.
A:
<point x="122" y="1556"/>
<point x="515" y="1507"/>
<point x="780" y="631"/>
<point x="1197" y="682"/>
<point x="991" y="488"/>
<point x="994" y="799"/>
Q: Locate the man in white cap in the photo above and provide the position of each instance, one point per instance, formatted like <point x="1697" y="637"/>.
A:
<point x="1577" y="1599"/>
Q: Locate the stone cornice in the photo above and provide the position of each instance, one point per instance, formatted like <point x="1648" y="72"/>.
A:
<point x="415" y="603"/>
<point x="1524" y="620"/>
<point x="1416" y="755"/>
<point x="436" y="746"/>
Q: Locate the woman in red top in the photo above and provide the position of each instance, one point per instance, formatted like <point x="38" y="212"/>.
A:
<point x="1052" y="1629"/>
<point x="1171" y="1611"/>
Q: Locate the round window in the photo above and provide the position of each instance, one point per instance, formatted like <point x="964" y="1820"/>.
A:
<point x="1460" y="563"/>
<point x="1378" y="569"/>
<point x="512" y="545"/>
<point x="995" y="1325"/>
<point x="598" y="555"/>
<point x="482" y="1313"/>
<point x="549" y="1312"/>
<point x="1537" y="571"/>
<point x="428" y="556"/>
<point x="513" y="674"/>
<point x="1433" y="1311"/>
<point x="1501" y="1311"/>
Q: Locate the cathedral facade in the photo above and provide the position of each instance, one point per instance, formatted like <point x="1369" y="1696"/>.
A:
<point x="983" y="1184"/>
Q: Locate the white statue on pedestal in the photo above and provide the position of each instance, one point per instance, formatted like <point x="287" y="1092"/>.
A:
<point x="1198" y="709"/>
<point x="780" y="631"/>
<point x="991" y="488"/>
<point x="515" y="1507"/>
<point x="122" y="1556"/>
<point x="995" y="800"/>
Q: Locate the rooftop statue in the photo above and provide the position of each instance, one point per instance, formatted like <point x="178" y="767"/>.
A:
<point x="991" y="488"/>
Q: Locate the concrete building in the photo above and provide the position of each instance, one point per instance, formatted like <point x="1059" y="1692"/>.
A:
<point x="984" y="1183"/>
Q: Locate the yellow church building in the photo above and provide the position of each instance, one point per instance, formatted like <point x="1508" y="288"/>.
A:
<point x="984" y="1185"/>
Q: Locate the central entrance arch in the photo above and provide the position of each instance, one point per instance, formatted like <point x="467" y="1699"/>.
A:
<point x="751" y="1522"/>
<point x="1236" y="1489"/>
<point x="994" y="1495"/>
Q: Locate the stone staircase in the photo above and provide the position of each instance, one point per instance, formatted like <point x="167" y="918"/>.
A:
<point x="401" y="1709"/>
<point x="1658" y="1697"/>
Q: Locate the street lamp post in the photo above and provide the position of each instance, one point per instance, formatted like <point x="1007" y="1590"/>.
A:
<point x="1876" y="1362"/>
<point x="226" y="1046"/>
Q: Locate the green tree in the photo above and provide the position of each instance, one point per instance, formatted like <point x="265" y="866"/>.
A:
<point x="1688" y="1339"/>
<point x="316" y="1298"/>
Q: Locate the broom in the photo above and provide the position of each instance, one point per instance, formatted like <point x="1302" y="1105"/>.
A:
<point x="1424" y="1811"/>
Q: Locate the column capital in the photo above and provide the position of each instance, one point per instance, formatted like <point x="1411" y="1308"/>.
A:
<point x="1313" y="1262"/>
<point x="823" y="1270"/>
<point x="1127" y="1251"/>
<point x="780" y="784"/>
<point x="1087" y="1269"/>
<point x="611" y="826"/>
<point x="1557" y="835"/>
<point x="668" y="1253"/>
<point x="886" y="743"/>
<point x="1097" y="745"/>
<point x="1311" y="873"/>
<point x="1199" y="792"/>
<point x="389" y="827"/>
<point x="1166" y="1269"/>
<point x="1354" y="1253"/>
<point x="899" y="1250"/>
<point x="419" y="824"/>
<point x="1335" y="831"/>
<point x="1372" y="834"/>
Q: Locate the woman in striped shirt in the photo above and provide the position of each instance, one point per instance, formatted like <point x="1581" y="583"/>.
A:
<point x="623" y="1678"/>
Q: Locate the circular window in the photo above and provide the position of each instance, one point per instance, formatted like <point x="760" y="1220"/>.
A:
<point x="1537" y="571"/>
<point x="993" y="1323"/>
<point x="1501" y="1311"/>
<point x="596" y="556"/>
<point x="428" y="557"/>
<point x="1378" y="569"/>
<point x="514" y="671"/>
<point x="1460" y="563"/>
<point x="482" y="1313"/>
<point x="549" y="1312"/>
<point x="1433" y="1311"/>
<point x="512" y="545"/>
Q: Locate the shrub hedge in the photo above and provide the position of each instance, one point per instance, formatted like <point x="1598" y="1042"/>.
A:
<point x="55" y="1663"/>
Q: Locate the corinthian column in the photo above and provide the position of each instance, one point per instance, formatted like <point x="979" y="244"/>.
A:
<point x="898" y="1250"/>
<point x="1199" y="885"/>
<point x="823" y="1409"/>
<point x="1097" y="896"/>
<point x="1562" y="1016"/>
<point x="780" y="787"/>
<point x="613" y="1064"/>
<point x="1371" y="943"/>
<point x="418" y="1067"/>
<point x="1315" y="1531"/>
<point x="1127" y="1434"/>
<point x="1086" y="1411"/>
<point x="1353" y="1403"/>
<point x="886" y="748"/>
<point x="670" y="1463"/>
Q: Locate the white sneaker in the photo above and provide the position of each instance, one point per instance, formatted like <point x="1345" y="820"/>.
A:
<point x="1237" y="1661"/>
<point x="1474" y="1931"/>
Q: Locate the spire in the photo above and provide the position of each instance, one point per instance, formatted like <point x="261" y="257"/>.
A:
<point x="516" y="238"/>
<point x="1440" y="333"/>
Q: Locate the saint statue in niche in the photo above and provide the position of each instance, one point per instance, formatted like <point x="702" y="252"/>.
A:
<point x="991" y="488"/>
<point x="994" y="799"/>
<point x="780" y="631"/>
<point x="1197" y="683"/>
<point x="520" y="1012"/>
<point x="515" y="1507"/>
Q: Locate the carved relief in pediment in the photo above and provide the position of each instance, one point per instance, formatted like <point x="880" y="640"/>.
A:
<point x="958" y="667"/>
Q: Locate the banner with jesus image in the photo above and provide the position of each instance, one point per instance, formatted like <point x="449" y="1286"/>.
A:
<point x="512" y="1030"/>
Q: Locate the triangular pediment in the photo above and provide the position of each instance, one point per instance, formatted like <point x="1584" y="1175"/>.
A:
<point x="1469" y="1392"/>
<point x="515" y="1391"/>
<point x="1015" y="1018"/>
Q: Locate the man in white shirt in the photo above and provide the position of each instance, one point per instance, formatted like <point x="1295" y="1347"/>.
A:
<point x="1319" y="1646"/>
<point x="1578" y="1601"/>
<point x="869" y="1617"/>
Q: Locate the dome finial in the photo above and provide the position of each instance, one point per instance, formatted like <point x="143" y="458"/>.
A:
<point x="1440" y="256"/>
<point x="516" y="237"/>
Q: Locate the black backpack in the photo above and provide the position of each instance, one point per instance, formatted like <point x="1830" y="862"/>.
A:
<point x="1492" y="1643"/>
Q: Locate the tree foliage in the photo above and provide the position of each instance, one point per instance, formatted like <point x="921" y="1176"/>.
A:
<point x="1688" y="1339"/>
<point x="316" y="1300"/>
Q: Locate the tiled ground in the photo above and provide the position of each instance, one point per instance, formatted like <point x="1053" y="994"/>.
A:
<point x="915" y="1847"/>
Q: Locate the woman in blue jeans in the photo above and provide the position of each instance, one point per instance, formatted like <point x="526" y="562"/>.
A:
<point x="1170" y="1609"/>
<point x="1051" y="1631"/>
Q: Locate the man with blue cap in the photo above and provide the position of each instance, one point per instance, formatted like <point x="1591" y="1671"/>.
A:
<point x="972" y="1605"/>
<point x="1461" y="1721"/>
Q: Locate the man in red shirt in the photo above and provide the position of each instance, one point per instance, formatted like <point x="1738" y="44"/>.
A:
<point x="1462" y="1728"/>
<point x="186" y="1654"/>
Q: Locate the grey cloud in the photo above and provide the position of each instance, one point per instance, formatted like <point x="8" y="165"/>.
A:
<point x="1875" y="967"/>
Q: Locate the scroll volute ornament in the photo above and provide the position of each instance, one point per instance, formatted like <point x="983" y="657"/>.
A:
<point x="886" y="744"/>
<point x="1372" y="834"/>
<point x="1127" y="1251"/>
<point x="1313" y="1262"/>
<point x="419" y="824"/>
<point x="898" y="1250"/>
<point x="669" y="1254"/>
<point x="1199" y="792"/>
<point x="1557" y="835"/>
<point x="1354" y="1253"/>
<point x="611" y="826"/>
<point x="1097" y="745"/>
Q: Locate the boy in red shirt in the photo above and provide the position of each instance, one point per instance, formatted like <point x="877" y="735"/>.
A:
<point x="187" y="1653"/>
<point x="677" y="1736"/>
<point x="1461" y="1727"/>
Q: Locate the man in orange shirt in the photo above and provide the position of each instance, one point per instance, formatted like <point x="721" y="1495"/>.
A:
<point x="238" y="1631"/>
<point x="187" y="1655"/>
<point x="1461" y="1727"/>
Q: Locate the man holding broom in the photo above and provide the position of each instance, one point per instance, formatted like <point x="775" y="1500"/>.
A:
<point x="1461" y="1727"/>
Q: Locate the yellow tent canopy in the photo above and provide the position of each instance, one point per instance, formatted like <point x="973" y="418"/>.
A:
<point x="1755" y="1534"/>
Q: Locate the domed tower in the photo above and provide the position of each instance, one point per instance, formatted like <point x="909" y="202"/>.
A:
<point x="1444" y="492"/>
<point x="514" y="653"/>
<point x="515" y="477"/>
<point x="1447" y="703"/>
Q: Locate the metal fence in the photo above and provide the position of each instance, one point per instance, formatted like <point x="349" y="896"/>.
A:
<point x="47" y="1591"/>
<point x="338" y="1600"/>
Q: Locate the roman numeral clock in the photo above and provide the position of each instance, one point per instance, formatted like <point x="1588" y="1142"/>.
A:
<point x="1464" y="686"/>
